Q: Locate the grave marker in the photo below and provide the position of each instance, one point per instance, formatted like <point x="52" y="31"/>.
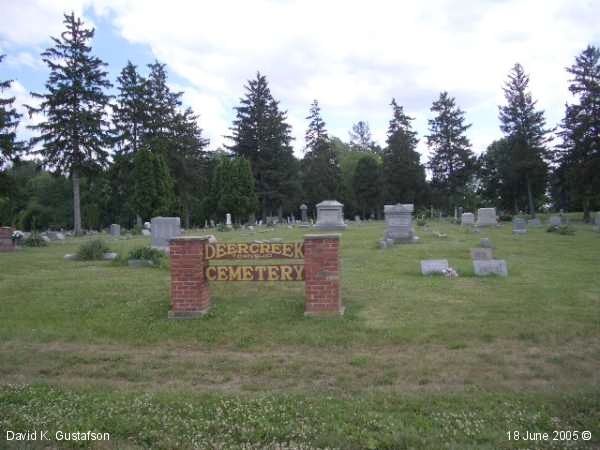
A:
<point x="429" y="266"/>
<point x="490" y="267"/>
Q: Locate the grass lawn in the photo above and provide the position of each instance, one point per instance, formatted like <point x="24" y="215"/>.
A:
<point x="415" y="362"/>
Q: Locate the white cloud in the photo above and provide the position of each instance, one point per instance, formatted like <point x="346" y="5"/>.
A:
<point x="350" y="55"/>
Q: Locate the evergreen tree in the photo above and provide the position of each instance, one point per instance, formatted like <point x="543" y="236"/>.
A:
<point x="360" y="137"/>
<point x="452" y="162"/>
<point x="500" y="186"/>
<point x="403" y="174"/>
<point x="153" y="193"/>
<point x="578" y="159"/>
<point x="261" y="134"/>
<point x="130" y="110"/>
<point x="9" y="120"/>
<point x="73" y="135"/>
<point x="161" y="105"/>
<point x="321" y="169"/>
<point x="367" y="185"/>
<point x="525" y="128"/>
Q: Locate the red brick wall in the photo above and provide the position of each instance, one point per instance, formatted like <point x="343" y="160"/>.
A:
<point x="6" y="243"/>
<point x="190" y="293"/>
<point x="322" y="271"/>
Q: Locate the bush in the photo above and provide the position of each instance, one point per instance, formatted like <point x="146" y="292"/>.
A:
<point x="563" y="230"/>
<point x="421" y="222"/>
<point x="92" y="250"/>
<point x="148" y="253"/>
<point x="505" y="218"/>
<point x="35" y="240"/>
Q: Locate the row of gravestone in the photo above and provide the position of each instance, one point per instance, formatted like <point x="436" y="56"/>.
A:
<point x="483" y="262"/>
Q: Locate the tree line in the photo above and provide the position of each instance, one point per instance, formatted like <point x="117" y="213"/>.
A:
<point x="124" y="158"/>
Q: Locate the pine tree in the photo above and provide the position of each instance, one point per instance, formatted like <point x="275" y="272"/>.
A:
<point x="321" y="169"/>
<point x="452" y="162"/>
<point x="403" y="174"/>
<point x="524" y="126"/>
<point x="360" y="137"/>
<point x="579" y="155"/>
<point x="367" y="184"/>
<point x="153" y="193"/>
<point x="9" y="120"/>
<point x="130" y="110"/>
<point x="261" y="134"/>
<point x="74" y="133"/>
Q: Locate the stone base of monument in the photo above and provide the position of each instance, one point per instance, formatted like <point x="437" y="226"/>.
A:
<point x="330" y="226"/>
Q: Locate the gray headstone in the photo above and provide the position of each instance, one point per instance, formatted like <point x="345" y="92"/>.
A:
<point x="163" y="229"/>
<point x="110" y="256"/>
<point x="429" y="266"/>
<point x="467" y="219"/>
<point x="519" y="225"/>
<point x="303" y="209"/>
<point x="486" y="243"/>
<point x="555" y="221"/>
<point x="115" y="230"/>
<point x="330" y="215"/>
<point x="481" y="253"/>
<point x="486" y="217"/>
<point x="146" y="232"/>
<point x="228" y="220"/>
<point x="535" y="222"/>
<point x="399" y="222"/>
<point x="483" y="267"/>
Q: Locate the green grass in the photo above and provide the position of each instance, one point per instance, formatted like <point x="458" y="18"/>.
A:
<point x="415" y="362"/>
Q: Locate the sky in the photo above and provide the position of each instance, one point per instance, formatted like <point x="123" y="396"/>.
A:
<point x="352" y="56"/>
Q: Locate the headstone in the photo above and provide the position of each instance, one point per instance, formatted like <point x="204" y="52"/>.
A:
<point x="304" y="216"/>
<point x="519" y="226"/>
<point x="330" y="215"/>
<point x="399" y="223"/>
<point x="597" y="221"/>
<point x="147" y="225"/>
<point x="467" y="219"/>
<point x="163" y="229"/>
<point x="357" y="219"/>
<point x="60" y="236"/>
<point x="486" y="217"/>
<point x="481" y="253"/>
<point x="205" y="224"/>
<point x="212" y="223"/>
<point x="51" y="235"/>
<point x="146" y="232"/>
<point x="555" y="221"/>
<point x="429" y="266"/>
<point x="71" y="257"/>
<point x="490" y="267"/>
<point x="486" y="243"/>
<point x="115" y="230"/>
<point x="535" y="222"/>
<point x="110" y="256"/>
<point x="228" y="220"/>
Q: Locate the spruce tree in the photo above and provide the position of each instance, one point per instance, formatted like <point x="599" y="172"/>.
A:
<point x="321" y="169"/>
<point x="261" y="134"/>
<point x="74" y="134"/>
<point x="452" y="162"/>
<point x="153" y="193"/>
<point x="9" y="120"/>
<point x="360" y="137"/>
<point x="367" y="184"/>
<point x="524" y="126"/>
<point x="578" y="157"/>
<point x="403" y="174"/>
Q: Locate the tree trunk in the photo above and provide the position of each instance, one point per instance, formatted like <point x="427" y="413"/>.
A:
<point x="76" y="204"/>
<point x="530" y="198"/>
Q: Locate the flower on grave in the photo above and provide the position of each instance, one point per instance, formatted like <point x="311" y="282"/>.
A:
<point x="450" y="273"/>
<point x="17" y="235"/>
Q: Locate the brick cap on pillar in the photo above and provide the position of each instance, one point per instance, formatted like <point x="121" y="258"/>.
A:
<point x="323" y="236"/>
<point x="189" y="238"/>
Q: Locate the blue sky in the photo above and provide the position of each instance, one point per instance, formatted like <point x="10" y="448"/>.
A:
<point x="353" y="56"/>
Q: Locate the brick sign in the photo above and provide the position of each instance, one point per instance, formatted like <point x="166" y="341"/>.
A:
<point x="318" y="265"/>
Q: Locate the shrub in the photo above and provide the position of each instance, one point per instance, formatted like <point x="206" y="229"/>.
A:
<point x="421" y="222"/>
<point x="505" y="218"/>
<point x="35" y="240"/>
<point x="563" y="229"/>
<point x="148" y="253"/>
<point x="92" y="250"/>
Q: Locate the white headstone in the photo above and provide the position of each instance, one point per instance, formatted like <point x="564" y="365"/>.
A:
<point x="486" y="217"/>
<point x="163" y="229"/>
<point x="484" y="267"/>
<point x="228" y="220"/>
<point x="429" y="266"/>
<point x="115" y="230"/>
<point x="467" y="219"/>
<point x="330" y="215"/>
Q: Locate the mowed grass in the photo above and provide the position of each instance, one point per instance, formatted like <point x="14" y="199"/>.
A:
<point x="415" y="362"/>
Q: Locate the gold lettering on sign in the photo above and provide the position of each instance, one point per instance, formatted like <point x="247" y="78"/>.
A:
<point x="221" y="250"/>
<point x="283" y="272"/>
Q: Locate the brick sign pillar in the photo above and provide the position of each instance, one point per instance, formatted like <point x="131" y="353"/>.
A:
<point x="322" y="270"/>
<point x="190" y="294"/>
<point x="6" y="242"/>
